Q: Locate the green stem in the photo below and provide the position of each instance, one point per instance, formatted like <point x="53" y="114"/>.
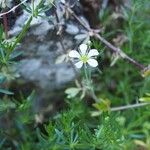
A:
<point x="94" y="95"/>
<point x="24" y="30"/>
<point x="85" y="72"/>
<point x="21" y="35"/>
<point x="89" y="83"/>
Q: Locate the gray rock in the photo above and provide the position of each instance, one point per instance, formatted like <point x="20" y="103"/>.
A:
<point x="38" y="69"/>
<point x="38" y="66"/>
<point x="41" y="47"/>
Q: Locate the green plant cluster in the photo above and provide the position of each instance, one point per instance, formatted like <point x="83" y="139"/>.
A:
<point x="74" y="127"/>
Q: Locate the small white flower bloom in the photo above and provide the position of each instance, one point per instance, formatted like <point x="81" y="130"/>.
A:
<point x="84" y="56"/>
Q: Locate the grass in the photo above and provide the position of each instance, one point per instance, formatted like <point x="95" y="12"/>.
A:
<point x="73" y="128"/>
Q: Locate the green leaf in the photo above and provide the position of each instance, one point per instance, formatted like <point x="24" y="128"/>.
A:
<point x="103" y="105"/>
<point x="15" y="55"/>
<point x="148" y="94"/>
<point x="6" y="92"/>
<point x="48" y="2"/>
<point x="146" y="72"/>
<point x="1" y="32"/>
<point x="2" y="142"/>
<point x="27" y="102"/>
<point x="72" y="92"/>
<point x="2" y="78"/>
<point x="4" y="105"/>
<point x="144" y="99"/>
<point x="2" y="55"/>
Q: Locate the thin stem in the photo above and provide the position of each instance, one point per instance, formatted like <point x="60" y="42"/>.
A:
<point x="120" y="52"/>
<point x="94" y="95"/>
<point x="121" y="108"/>
<point x="108" y="44"/>
<point x="21" y="35"/>
<point x="89" y="83"/>
<point x="33" y="8"/>
<point x="129" y="106"/>
<point x="78" y="19"/>
<point x="85" y="73"/>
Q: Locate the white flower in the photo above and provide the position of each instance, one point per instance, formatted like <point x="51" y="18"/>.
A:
<point x="85" y="56"/>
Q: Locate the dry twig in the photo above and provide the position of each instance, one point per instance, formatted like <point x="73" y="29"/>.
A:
<point x="108" y="44"/>
<point x="12" y="9"/>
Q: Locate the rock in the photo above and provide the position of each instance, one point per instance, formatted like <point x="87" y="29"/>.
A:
<point x="40" y="49"/>
<point x="37" y="66"/>
<point x="38" y="69"/>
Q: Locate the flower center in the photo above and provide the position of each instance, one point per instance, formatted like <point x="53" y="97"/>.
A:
<point x="84" y="58"/>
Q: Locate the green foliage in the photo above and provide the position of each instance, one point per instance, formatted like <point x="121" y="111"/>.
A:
<point x="75" y="128"/>
<point x="72" y="92"/>
<point x="122" y="83"/>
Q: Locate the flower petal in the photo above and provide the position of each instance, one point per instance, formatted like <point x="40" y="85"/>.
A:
<point x="74" y="54"/>
<point x="83" y="48"/>
<point x="79" y="64"/>
<point x="93" y="52"/>
<point x="92" y="62"/>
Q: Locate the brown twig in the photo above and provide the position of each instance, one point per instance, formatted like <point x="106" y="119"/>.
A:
<point x="129" y="106"/>
<point x="12" y="9"/>
<point x="119" y="52"/>
<point x="5" y="24"/>
<point x="121" y="108"/>
<point x="108" y="44"/>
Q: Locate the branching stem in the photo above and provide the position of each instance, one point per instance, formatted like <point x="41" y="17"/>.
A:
<point x="115" y="50"/>
<point x="108" y="44"/>
<point x="129" y="106"/>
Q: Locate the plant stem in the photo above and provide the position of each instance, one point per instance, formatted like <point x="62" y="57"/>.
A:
<point x="129" y="106"/>
<point x="85" y="73"/>
<point x="120" y="52"/>
<point x="108" y="44"/>
<point x="89" y="84"/>
<point x="13" y="9"/>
